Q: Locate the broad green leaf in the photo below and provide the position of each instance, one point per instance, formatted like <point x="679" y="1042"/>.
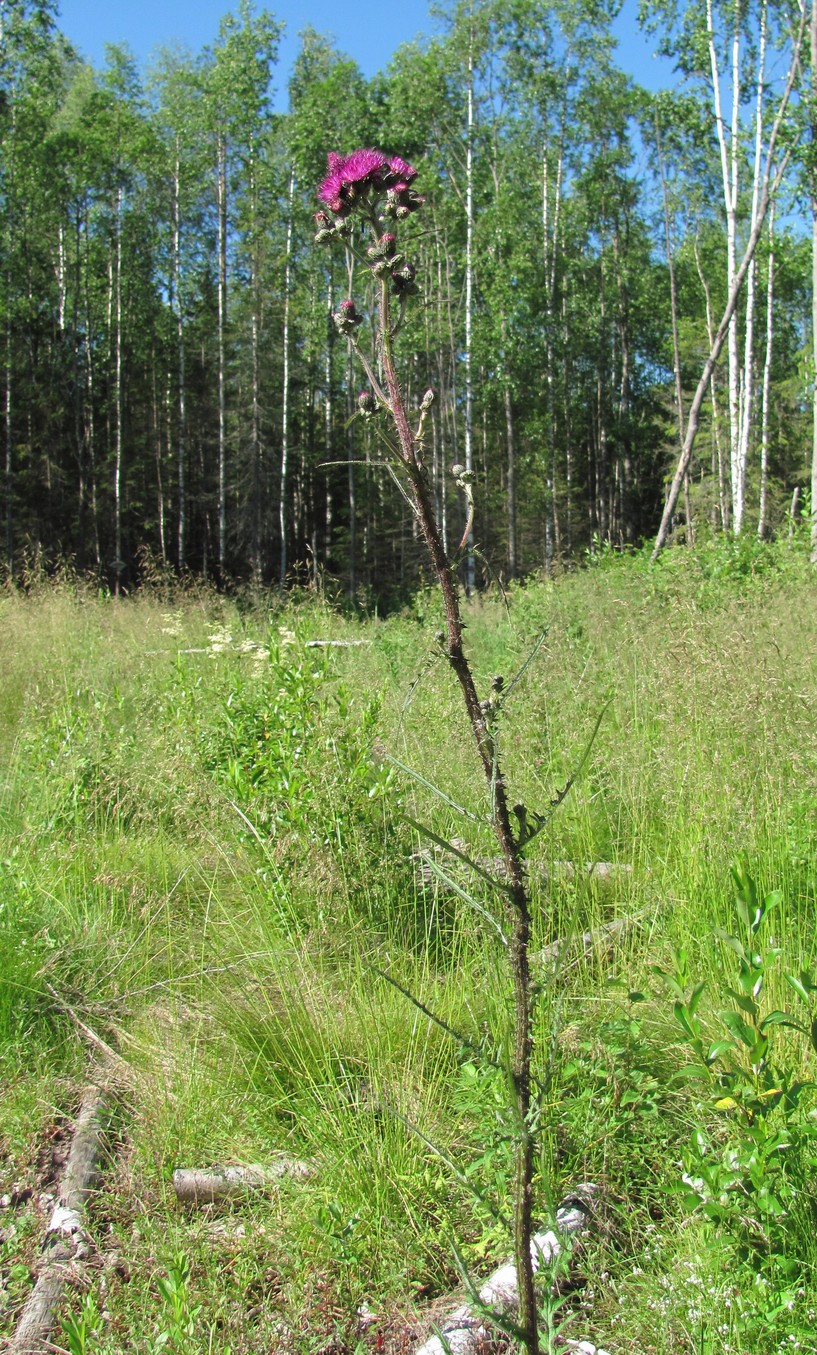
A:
<point x="718" y="1049"/>
<point x="798" y="985"/>
<point x="732" y="942"/>
<point x="778" y="1018"/>
<point x="745" y="1003"/>
<point x="736" y="1026"/>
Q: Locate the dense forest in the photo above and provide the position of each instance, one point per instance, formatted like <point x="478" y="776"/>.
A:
<point x="614" y="293"/>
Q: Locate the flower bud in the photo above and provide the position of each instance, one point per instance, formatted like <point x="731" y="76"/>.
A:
<point x="346" y="317"/>
<point x="427" y="400"/>
<point x="323" y="221"/>
<point x="366" y="404"/>
<point x="457" y="470"/>
<point x="403" y="279"/>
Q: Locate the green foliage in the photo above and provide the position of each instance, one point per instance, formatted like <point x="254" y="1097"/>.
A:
<point x="235" y="972"/>
<point x="746" y="1173"/>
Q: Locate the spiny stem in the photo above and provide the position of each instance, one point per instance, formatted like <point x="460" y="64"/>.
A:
<point x="518" y="903"/>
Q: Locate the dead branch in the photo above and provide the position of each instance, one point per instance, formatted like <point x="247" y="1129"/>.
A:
<point x="196" y="1186"/>
<point x="66" y="1242"/>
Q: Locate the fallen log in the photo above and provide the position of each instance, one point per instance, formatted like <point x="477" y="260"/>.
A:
<point x="206" y="1186"/>
<point x="335" y="644"/>
<point x="467" y="1330"/>
<point x="597" y="941"/>
<point x="66" y="1242"/>
<point x="604" y="871"/>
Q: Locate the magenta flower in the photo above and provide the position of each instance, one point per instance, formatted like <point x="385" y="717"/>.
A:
<point x="401" y="170"/>
<point x="349" y="175"/>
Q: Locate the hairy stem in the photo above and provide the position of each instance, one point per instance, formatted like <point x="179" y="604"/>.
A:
<point x="518" y="898"/>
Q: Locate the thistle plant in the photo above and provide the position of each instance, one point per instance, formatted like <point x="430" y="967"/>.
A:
<point x="366" y="195"/>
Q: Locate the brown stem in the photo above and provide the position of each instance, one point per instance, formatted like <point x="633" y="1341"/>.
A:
<point x="514" y="864"/>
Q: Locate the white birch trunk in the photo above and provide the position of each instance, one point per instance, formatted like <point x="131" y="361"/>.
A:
<point x="762" y="523"/>
<point x="469" y="283"/>
<point x="181" y="435"/>
<point x="221" y="205"/>
<point x="747" y="387"/>
<point x="282" y="500"/>
<point x="729" y="176"/>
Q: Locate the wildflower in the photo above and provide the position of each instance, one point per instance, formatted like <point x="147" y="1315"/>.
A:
<point x="402" y="280"/>
<point x="346" y="317"/>
<point x="351" y="176"/>
<point x="366" y="404"/>
<point x="348" y="178"/>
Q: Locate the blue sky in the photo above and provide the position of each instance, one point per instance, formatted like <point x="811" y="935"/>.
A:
<point x="369" y="31"/>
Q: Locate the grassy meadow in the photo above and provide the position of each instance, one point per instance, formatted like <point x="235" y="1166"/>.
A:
<point x="204" y="868"/>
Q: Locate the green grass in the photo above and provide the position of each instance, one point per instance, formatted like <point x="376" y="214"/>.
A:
<point x="201" y="863"/>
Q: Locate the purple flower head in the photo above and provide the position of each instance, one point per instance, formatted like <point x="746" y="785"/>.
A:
<point x="349" y="175"/>
<point x="366" y="404"/>
<point x="400" y="169"/>
<point x="346" y="317"/>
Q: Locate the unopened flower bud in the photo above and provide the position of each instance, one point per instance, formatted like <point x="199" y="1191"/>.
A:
<point x="388" y="245"/>
<point x="346" y="317"/>
<point x="323" y="236"/>
<point x="457" y="470"/>
<point x="402" y="279"/>
<point x="427" y="400"/>
<point x="323" y="221"/>
<point x="366" y="403"/>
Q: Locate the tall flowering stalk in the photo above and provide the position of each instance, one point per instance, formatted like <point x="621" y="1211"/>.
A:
<point x="374" y="189"/>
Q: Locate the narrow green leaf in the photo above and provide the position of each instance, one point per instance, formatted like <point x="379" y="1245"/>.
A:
<point x="495" y="1213"/>
<point x="429" y="785"/>
<point x="438" y="1020"/>
<point x="682" y="1017"/>
<point x="493" y="880"/>
<point x="466" y="897"/>
<point x="695" y="997"/>
<point x="518" y="676"/>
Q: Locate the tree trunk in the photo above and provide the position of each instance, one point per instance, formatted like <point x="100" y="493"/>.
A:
<point x="762" y="523"/>
<point x="181" y="434"/>
<point x="469" y="286"/>
<point x="221" y="206"/>
<point x="813" y="43"/>
<point x="119" y="563"/>
<point x="282" y="498"/>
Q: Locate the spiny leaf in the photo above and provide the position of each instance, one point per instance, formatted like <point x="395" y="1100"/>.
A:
<point x="438" y="1020"/>
<point x="429" y="785"/>
<point x="466" y="897"/>
<point x="492" y="880"/>
<point x="487" y="1204"/>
